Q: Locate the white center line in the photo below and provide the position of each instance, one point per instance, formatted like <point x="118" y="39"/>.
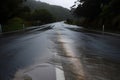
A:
<point x="60" y="74"/>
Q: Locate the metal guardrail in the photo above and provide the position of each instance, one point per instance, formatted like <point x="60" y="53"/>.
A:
<point x="26" y="29"/>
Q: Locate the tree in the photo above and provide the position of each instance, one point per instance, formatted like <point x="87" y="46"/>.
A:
<point x="42" y="16"/>
<point x="100" y="12"/>
<point x="25" y="13"/>
<point x="111" y="15"/>
<point x="88" y="8"/>
<point x="9" y="9"/>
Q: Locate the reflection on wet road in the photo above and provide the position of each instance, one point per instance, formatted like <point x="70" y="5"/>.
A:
<point x="82" y="55"/>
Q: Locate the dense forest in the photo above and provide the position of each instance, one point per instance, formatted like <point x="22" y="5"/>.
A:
<point x="16" y="13"/>
<point x="94" y="14"/>
<point x="59" y="12"/>
<point x="91" y="14"/>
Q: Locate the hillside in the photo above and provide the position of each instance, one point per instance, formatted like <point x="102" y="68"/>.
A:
<point x="59" y="12"/>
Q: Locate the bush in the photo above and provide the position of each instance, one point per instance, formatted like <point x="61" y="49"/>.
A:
<point x="13" y="24"/>
<point x="69" y="21"/>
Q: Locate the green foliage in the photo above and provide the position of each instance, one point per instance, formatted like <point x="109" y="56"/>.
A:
<point x="13" y="24"/>
<point x="69" y="21"/>
<point x="9" y="9"/>
<point x="88" y="8"/>
<point x="58" y="12"/>
<point x="100" y="12"/>
<point x="42" y="16"/>
<point x="110" y="15"/>
<point x="15" y="20"/>
<point x="25" y="13"/>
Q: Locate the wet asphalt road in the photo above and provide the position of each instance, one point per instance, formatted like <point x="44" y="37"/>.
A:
<point x="83" y="55"/>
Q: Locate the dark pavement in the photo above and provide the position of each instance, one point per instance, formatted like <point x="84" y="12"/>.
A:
<point x="38" y="53"/>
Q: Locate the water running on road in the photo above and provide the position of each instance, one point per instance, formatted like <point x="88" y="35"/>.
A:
<point x="81" y="55"/>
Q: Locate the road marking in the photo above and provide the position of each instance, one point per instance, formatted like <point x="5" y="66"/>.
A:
<point x="60" y="74"/>
<point x="76" y="65"/>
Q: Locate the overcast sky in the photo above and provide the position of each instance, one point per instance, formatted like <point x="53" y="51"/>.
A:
<point x="64" y="3"/>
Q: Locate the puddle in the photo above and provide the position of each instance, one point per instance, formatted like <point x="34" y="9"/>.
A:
<point x="35" y="72"/>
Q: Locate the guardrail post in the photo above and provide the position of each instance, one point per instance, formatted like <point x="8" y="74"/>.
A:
<point x="23" y="27"/>
<point x="0" y="28"/>
<point x="103" y="29"/>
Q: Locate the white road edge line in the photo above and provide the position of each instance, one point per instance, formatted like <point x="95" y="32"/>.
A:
<point x="60" y="74"/>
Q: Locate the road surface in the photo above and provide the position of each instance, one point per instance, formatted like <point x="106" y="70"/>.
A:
<point x="59" y="52"/>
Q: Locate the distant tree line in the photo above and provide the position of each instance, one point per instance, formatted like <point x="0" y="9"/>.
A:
<point x="96" y="13"/>
<point x="59" y="12"/>
<point x="14" y="13"/>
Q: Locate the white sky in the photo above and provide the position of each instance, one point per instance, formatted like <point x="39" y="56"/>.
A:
<point x="64" y="3"/>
